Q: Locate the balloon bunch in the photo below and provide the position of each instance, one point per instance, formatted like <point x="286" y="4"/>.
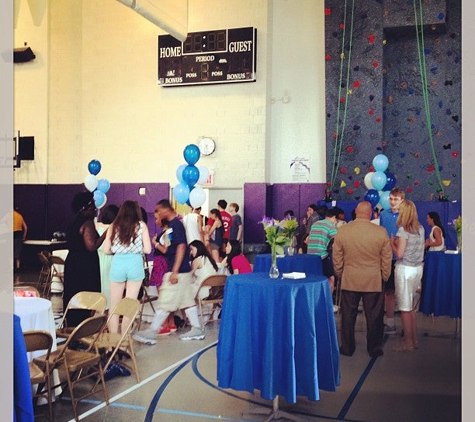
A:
<point x="99" y="187"/>
<point x="189" y="175"/>
<point x="379" y="183"/>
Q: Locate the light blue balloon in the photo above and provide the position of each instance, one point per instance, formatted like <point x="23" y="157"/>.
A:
<point x="99" y="198"/>
<point x="103" y="185"/>
<point x="179" y="172"/>
<point x="380" y="163"/>
<point x="384" y="200"/>
<point x="378" y="179"/>
<point x="181" y="193"/>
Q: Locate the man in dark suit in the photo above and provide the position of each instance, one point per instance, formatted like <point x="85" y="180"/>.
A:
<point x="362" y="260"/>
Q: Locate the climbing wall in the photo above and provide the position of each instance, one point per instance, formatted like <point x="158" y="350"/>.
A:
<point x="375" y="101"/>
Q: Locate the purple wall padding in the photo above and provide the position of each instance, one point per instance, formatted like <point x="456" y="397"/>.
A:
<point x="47" y="208"/>
<point x="261" y="199"/>
<point x="286" y="196"/>
<point x="58" y="207"/>
<point x="31" y="200"/>
<point x="255" y="207"/>
<point x="310" y="193"/>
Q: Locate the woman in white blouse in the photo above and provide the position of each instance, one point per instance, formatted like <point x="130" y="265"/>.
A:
<point x="128" y="239"/>
<point x="202" y="266"/>
<point x="436" y="240"/>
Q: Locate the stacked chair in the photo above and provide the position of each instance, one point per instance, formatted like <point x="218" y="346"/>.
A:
<point x="44" y="278"/>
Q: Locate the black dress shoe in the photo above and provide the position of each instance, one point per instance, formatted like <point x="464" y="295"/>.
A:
<point x="377" y="353"/>
<point x="342" y="352"/>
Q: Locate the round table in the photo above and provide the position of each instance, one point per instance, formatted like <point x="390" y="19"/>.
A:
<point x="278" y="336"/>
<point x="35" y="313"/>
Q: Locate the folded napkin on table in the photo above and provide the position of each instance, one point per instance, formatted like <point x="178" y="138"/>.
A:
<point x="294" y="275"/>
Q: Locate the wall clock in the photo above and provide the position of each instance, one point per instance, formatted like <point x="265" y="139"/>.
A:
<point x="207" y="145"/>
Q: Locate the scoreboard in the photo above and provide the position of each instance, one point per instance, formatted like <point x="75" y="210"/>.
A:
<point x="208" y="57"/>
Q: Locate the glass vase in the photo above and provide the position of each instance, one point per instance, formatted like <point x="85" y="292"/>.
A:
<point x="291" y="250"/>
<point x="459" y="242"/>
<point x="274" y="271"/>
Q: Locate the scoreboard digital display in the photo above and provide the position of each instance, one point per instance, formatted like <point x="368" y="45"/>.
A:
<point x="208" y="57"/>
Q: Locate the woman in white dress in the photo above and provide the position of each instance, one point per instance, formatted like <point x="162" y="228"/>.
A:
<point x="436" y="240"/>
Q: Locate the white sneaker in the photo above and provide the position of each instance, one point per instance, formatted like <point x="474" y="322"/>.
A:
<point x="145" y="336"/>
<point x="196" y="333"/>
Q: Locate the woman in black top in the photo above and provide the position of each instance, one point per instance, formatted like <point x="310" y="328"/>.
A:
<point x="81" y="268"/>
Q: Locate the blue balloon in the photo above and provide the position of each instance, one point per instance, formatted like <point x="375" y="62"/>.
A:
<point x="94" y="167"/>
<point x="179" y="172"/>
<point x="181" y="193"/>
<point x="191" y="174"/>
<point x="103" y="185"/>
<point x="380" y="162"/>
<point x="384" y="200"/>
<point x="378" y="179"/>
<point x="191" y="154"/>
<point x="99" y="198"/>
<point x="390" y="181"/>
<point x="372" y="196"/>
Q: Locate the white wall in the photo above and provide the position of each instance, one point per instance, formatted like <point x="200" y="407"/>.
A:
<point x="31" y="86"/>
<point x="297" y="97"/>
<point x="92" y="93"/>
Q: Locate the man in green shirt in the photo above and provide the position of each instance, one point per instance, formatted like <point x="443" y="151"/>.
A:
<point x="319" y="242"/>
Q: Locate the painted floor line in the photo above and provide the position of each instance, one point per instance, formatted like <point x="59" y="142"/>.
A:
<point x="341" y="416"/>
<point x="352" y="397"/>
<point x="203" y="415"/>
<point x="142" y="383"/>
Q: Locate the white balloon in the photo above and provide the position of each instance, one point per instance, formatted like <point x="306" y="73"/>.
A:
<point x="367" y="180"/>
<point x="197" y="197"/>
<point x="204" y="174"/>
<point x="91" y="182"/>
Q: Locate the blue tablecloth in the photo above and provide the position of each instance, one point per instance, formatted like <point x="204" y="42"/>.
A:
<point x="23" y="410"/>
<point x="442" y="285"/>
<point x="303" y="263"/>
<point x="278" y="336"/>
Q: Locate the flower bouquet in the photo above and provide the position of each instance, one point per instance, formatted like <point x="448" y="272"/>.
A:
<point x="277" y="239"/>
<point x="290" y="227"/>
<point x="457" y="223"/>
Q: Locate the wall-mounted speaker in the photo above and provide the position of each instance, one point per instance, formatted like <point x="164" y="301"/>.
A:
<point x="26" y="148"/>
<point x="23" y="54"/>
